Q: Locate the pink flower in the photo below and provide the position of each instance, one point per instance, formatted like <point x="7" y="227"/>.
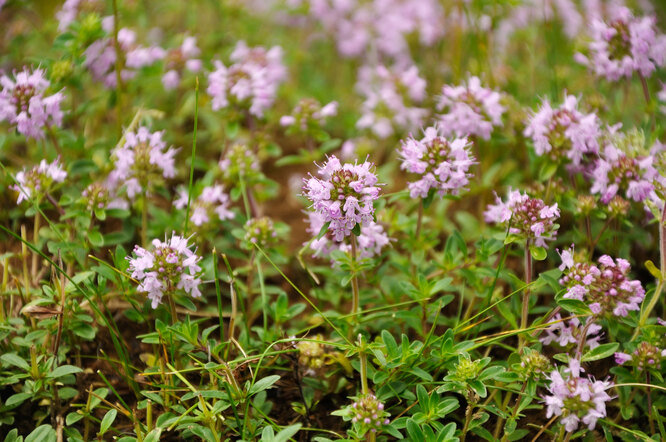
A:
<point x="444" y="164"/>
<point x="23" y="102"/>
<point x="623" y="45"/>
<point x="469" y="109"/>
<point x="212" y="201"/>
<point x="178" y="60"/>
<point x="38" y="181"/>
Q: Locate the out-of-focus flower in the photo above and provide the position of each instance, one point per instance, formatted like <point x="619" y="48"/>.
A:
<point x="212" y="202"/>
<point x="259" y="231"/>
<point x="383" y="26"/>
<point x="100" y="195"/>
<point x="23" y="103"/>
<point x="344" y="196"/>
<point x="469" y="109"/>
<point x="309" y="116"/>
<point x="443" y="164"/>
<point x="240" y="163"/>
<point x="178" y="60"/>
<point x="647" y="356"/>
<point x="142" y="161"/>
<point x="606" y="287"/>
<point x="170" y="266"/>
<point x="529" y="218"/>
<point x="569" y="333"/>
<point x="38" y="181"/>
<point x="251" y="82"/>
<point x="624" y="166"/>
<point x="100" y="56"/>
<point x="576" y="398"/>
<point x="390" y="95"/>
<point x="564" y="131"/>
<point x="623" y="45"/>
<point x="71" y="9"/>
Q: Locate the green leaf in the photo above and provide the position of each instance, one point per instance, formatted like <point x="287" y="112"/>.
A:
<point x="287" y="432"/>
<point x="601" y="352"/>
<point x="153" y="436"/>
<point x="13" y="436"/>
<point x="575" y="306"/>
<point x="43" y="433"/>
<point x="654" y="271"/>
<point x="73" y="418"/>
<point x="427" y="201"/>
<point x="414" y="431"/>
<point x="357" y="229"/>
<point x="64" y="370"/>
<point x="108" y="419"/>
<point x="96" y="238"/>
<point x="538" y="253"/>
<point x="263" y="384"/>
<point x="17" y="399"/>
<point x="16" y="360"/>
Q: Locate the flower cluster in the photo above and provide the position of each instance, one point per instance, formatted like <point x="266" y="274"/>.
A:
<point x="23" y="103"/>
<point x="171" y="266"/>
<point x="142" y="161"/>
<point x="389" y="96"/>
<point x="605" y="287"/>
<point x="311" y="354"/>
<point x="344" y="195"/>
<point x="646" y="357"/>
<point x="381" y="25"/>
<point x="532" y="364"/>
<point x="371" y="241"/>
<point x="624" y="45"/>
<point x="100" y="56"/>
<point x="70" y="10"/>
<point x="369" y="413"/>
<point x="308" y="116"/>
<point x="251" y="82"/>
<point x="564" y="131"/>
<point x="99" y="195"/>
<point x="37" y="182"/>
<point x="624" y="166"/>
<point x="570" y="333"/>
<point x="576" y="398"/>
<point x="443" y="164"/>
<point x="528" y="218"/>
<point x="212" y="202"/>
<point x="179" y="59"/>
<point x="240" y="162"/>
<point x="259" y="231"/>
<point x="469" y="109"/>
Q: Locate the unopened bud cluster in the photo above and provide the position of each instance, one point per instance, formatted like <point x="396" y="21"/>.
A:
<point x="369" y="412"/>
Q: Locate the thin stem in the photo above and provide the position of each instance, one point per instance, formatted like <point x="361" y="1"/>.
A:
<point x="119" y="55"/>
<point x="526" y="292"/>
<point x="194" y="152"/>
<point x="583" y="336"/>
<point x="649" y="402"/>
<point x="35" y="240"/>
<point x="364" y="371"/>
<point x="354" y="281"/>
<point x="264" y="298"/>
<point x="419" y="221"/>
<point x="548" y="424"/>
<point x="172" y="307"/>
<point x="646" y="90"/>
<point x="144" y="219"/>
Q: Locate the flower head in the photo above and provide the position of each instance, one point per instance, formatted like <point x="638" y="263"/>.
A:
<point x="38" y="181"/>
<point x="211" y="203"/>
<point x="251" y="82"/>
<point x="344" y="196"/>
<point x="529" y="218"/>
<point x="259" y="231"/>
<point x="647" y="356"/>
<point x="24" y="103"/>
<point x="178" y="60"/>
<point x="569" y="333"/>
<point x="623" y="45"/>
<point x="390" y="98"/>
<point x="308" y="116"/>
<point x="606" y="287"/>
<point x="469" y="109"/>
<point x="100" y="195"/>
<point x="141" y="161"/>
<point x="563" y="132"/>
<point x="443" y="164"/>
<point x="170" y="266"/>
<point x="368" y="413"/>
<point x="576" y="398"/>
<point x="240" y="163"/>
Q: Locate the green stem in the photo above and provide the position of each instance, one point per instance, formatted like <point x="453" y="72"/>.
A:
<point x="419" y="221"/>
<point x="264" y="298"/>
<point x="144" y="219"/>
<point x="526" y="292"/>
<point x="194" y="151"/>
<point x="364" y="367"/>
<point x="354" y="282"/>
